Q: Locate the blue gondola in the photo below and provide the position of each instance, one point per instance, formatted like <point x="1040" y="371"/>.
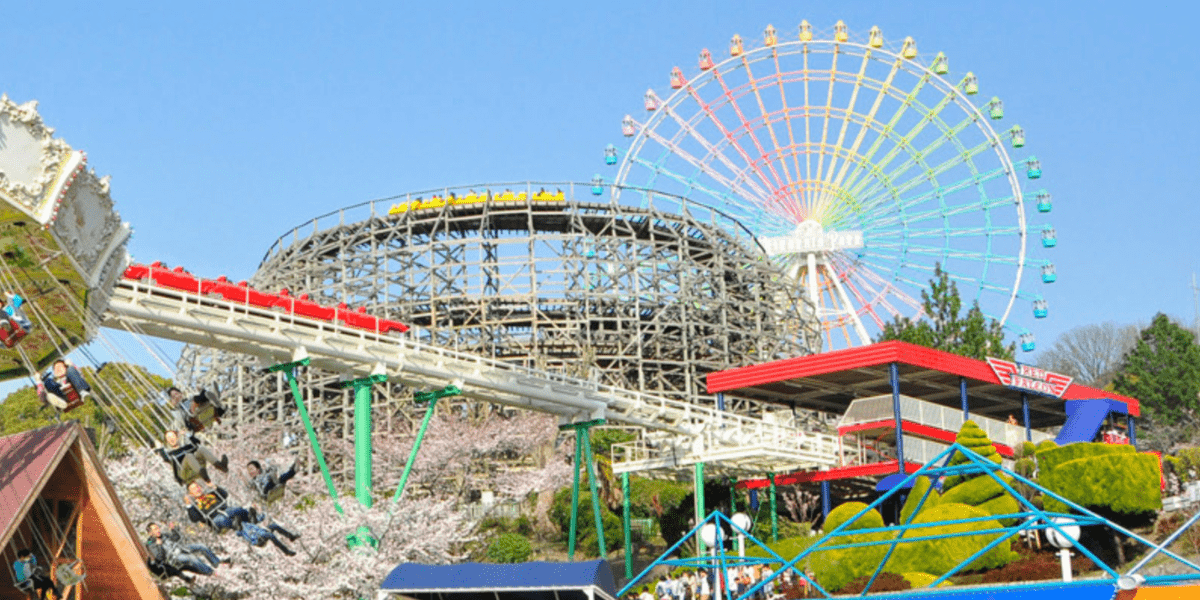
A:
<point x="1043" y="201"/>
<point x="597" y="185"/>
<point x="1027" y="343"/>
<point x="610" y="155"/>
<point x="1048" y="274"/>
<point x="1049" y="237"/>
<point x="1033" y="168"/>
<point x="1040" y="308"/>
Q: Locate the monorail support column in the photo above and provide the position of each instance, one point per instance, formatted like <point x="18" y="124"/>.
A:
<point x="774" y="515"/>
<point x="825" y="500"/>
<point x="625" y="520"/>
<point x="289" y="370"/>
<point x="1130" y="421"/>
<point x="698" y="494"/>
<point x="583" y="453"/>
<point x="362" y="452"/>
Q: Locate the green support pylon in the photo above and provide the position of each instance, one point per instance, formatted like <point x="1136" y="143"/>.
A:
<point x="625" y="518"/>
<point x="289" y="370"/>
<point x="774" y="515"/>
<point x="362" y="454"/>
<point x="431" y="398"/>
<point x="699" y="495"/>
<point x="583" y="446"/>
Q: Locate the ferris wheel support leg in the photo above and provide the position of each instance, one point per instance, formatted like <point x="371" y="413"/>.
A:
<point x="841" y="292"/>
<point x="813" y="292"/>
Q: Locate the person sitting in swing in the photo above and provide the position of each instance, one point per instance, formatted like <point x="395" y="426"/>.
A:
<point x="189" y="458"/>
<point x="168" y="549"/>
<point x="268" y="484"/>
<point x="30" y="578"/>
<point x="63" y="387"/>
<point x="13" y="322"/>
<point x="212" y="508"/>
<point x="68" y="573"/>
<point x="197" y="412"/>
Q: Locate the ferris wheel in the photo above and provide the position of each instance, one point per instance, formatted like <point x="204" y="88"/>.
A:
<point x="858" y="165"/>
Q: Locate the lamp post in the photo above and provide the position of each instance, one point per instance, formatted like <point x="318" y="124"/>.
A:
<point x="742" y="522"/>
<point x="1064" y="542"/>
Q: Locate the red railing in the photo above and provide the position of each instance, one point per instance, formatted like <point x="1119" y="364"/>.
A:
<point x="241" y="292"/>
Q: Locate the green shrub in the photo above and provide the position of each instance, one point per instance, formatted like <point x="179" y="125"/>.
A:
<point x="509" y="548"/>
<point x="786" y="547"/>
<point x="1050" y="458"/>
<point x="939" y="556"/>
<point x="1046" y="445"/>
<point x="843" y="512"/>
<point x="834" y="569"/>
<point x="976" y="491"/>
<point x="922" y="580"/>
<point x="973" y="438"/>
<point x="1123" y="486"/>
<point x="1003" y="505"/>
<point x="586" y="542"/>
<point x="1025" y="449"/>
<point x="1189" y="464"/>
<point x="920" y="486"/>
<point x="645" y="494"/>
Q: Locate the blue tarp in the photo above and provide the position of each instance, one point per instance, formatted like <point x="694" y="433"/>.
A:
<point x="525" y="581"/>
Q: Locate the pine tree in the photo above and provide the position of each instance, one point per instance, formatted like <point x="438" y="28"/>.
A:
<point x="1163" y="372"/>
<point x="972" y="437"/>
<point x="945" y="328"/>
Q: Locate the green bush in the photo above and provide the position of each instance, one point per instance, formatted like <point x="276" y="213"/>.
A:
<point x="509" y="548"/>
<point x="1024" y="450"/>
<point x="787" y="528"/>
<point x="973" y="438"/>
<point x="843" y="512"/>
<point x="922" y="580"/>
<point x="1046" y="445"/>
<point x="1050" y="458"/>
<point x="1003" y="505"/>
<point x="586" y="542"/>
<point x="976" y="491"/>
<point x="787" y="547"/>
<point x="1123" y="486"/>
<point x="920" y="486"/>
<point x="644" y="493"/>
<point x="1188" y="463"/>
<point x="939" y="556"/>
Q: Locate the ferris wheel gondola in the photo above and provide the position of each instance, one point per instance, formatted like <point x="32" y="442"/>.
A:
<point x="858" y="167"/>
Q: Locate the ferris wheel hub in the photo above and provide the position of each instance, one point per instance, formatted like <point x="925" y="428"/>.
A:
<point x="810" y="237"/>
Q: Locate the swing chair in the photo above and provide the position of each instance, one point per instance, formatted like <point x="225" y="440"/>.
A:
<point x="12" y="330"/>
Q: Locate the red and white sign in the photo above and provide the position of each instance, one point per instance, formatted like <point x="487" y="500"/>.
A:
<point x="1028" y="377"/>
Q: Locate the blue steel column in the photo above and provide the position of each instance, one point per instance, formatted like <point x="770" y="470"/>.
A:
<point x="825" y="499"/>
<point x="962" y="392"/>
<point x="1129" y="420"/>
<point x="894" y="374"/>
<point x="1025" y="413"/>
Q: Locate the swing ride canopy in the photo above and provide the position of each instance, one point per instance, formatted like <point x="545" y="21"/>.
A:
<point x="62" y="242"/>
<point x="525" y="581"/>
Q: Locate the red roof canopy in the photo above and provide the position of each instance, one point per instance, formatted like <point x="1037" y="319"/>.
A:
<point x="830" y="381"/>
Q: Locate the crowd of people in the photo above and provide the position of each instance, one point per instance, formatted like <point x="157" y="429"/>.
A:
<point x="708" y="584"/>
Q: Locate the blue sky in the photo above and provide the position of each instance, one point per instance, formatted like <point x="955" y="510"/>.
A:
<point x="226" y="126"/>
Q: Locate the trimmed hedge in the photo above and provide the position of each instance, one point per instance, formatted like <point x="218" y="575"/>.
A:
<point x="918" y="491"/>
<point x="976" y="491"/>
<point x="834" y="569"/>
<point x="1003" y="505"/>
<point x="845" y="511"/>
<point x="939" y="556"/>
<point x="1125" y="483"/>
<point x="1050" y="458"/>
<point x="974" y="439"/>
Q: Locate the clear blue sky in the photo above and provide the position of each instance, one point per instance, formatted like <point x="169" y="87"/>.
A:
<point x="225" y="125"/>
